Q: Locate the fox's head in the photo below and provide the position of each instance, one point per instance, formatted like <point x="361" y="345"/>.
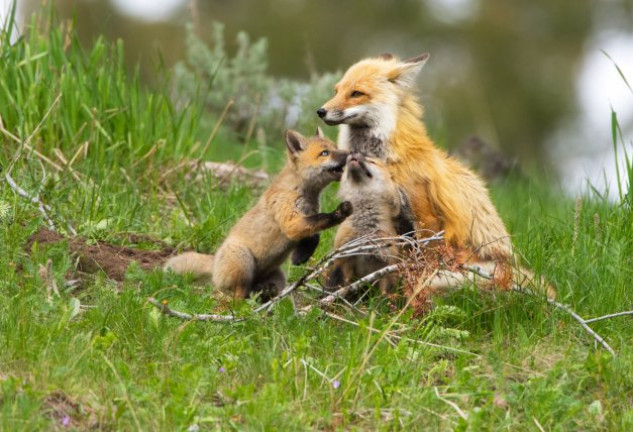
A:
<point x="316" y="159"/>
<point x="368" y="177"/>
<point x="369" y="93"/>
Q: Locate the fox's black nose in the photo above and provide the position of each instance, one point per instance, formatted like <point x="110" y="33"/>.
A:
<point x="358" y="157"/>
<point x="321" y="112"/>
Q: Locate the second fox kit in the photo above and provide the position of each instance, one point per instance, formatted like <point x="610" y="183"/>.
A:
<point x="250" y="257"/>
<point x="368" y="186"/>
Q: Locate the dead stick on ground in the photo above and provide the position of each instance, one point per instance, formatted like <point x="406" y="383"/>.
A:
<point x="164" y="308"/>
<point x="350" y="289"/>
<point x="323" y="265"/>
<point x="35" y="199"/>
<point x="562" y="307"/>
<point x="605" y="317"/>
<point x="326" y="262"/>
<point x="43" y="208"/>
<point x="581" y="321"/>
<point x="459" y="411"/>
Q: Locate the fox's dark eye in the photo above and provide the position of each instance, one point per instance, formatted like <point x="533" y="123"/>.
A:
<point x="357" y="93"/>
<point x="325" y="153"/>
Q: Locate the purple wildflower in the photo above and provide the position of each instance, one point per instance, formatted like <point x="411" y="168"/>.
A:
<point x="336" y="384"/>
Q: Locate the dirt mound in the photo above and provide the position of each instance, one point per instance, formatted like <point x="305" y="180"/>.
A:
<point x="113" y="260"/>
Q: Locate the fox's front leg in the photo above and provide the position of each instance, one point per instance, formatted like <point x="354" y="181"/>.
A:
<point x="300" y="227"/>
<point x="305" y="249"/>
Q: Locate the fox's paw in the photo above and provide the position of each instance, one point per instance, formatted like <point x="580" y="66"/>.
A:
<point x="305" y="249"/>
<point x="344" y="209"/>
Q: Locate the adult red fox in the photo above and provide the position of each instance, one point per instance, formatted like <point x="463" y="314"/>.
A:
<point x="380" y="116"/>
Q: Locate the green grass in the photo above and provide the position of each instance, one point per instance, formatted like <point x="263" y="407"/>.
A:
<point x="117" y="364"/>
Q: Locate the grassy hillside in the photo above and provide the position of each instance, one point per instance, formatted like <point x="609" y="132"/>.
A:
<point x="111" y="159"/>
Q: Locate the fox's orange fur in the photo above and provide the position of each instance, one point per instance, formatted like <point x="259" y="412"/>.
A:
<point x="443" y="193"/>
<point x="380" y="116"/>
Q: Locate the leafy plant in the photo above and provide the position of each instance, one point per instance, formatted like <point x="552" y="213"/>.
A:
<point x="241" y="85"/>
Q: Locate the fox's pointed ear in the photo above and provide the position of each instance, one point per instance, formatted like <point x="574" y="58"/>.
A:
<point x="417" y="59"/>
<point x="319" y="133"/>
<point x="405" y="73"/>
<point x="295" y="142"/>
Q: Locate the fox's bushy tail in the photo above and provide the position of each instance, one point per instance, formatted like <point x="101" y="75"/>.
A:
<point x="490" y="275"/>
<point x="200" y="265"/>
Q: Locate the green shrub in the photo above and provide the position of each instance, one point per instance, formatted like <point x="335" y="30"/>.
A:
<point x="260" y="102"/>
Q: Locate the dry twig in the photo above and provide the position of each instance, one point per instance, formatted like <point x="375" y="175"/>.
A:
<point x="583" y="322"/>
<point x="453" y="405"/>
<point x="609" y="316"/>
<point x="164" y="308"/>
<point x="352" y="288"/>
<point x="43" y="208"/>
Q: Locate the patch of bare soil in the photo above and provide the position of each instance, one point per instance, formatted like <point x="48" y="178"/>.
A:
<point x="113" y="260"/>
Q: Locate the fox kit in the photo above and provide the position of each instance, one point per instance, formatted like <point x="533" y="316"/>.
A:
<point x="379" y="116"/>
<point x="367" y="184"/>
<point x="287" y="213"/>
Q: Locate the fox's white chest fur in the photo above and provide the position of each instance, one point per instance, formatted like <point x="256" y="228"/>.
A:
<point x="371" y="139"/>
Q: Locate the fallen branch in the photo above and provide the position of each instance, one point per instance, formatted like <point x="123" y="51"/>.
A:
<point x="164" y="308"/>
<point x="366" y="245"/>
<point x="43" y="208"/>
<point x="583" y="322"/>
<point x="352" y="288"/>
<point x="580" y="320"/>
<point x="605" y="317"/>
<point x="223" y="171"/>
<point x="453" y="405"/>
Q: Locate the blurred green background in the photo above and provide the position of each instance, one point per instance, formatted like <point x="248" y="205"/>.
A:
<point x="521" y="75"/>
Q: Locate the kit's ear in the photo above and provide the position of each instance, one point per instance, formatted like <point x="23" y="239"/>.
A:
<point x="405" y="72"/>
<point x="295" y="142"/>
<point x="319" y="133"/>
